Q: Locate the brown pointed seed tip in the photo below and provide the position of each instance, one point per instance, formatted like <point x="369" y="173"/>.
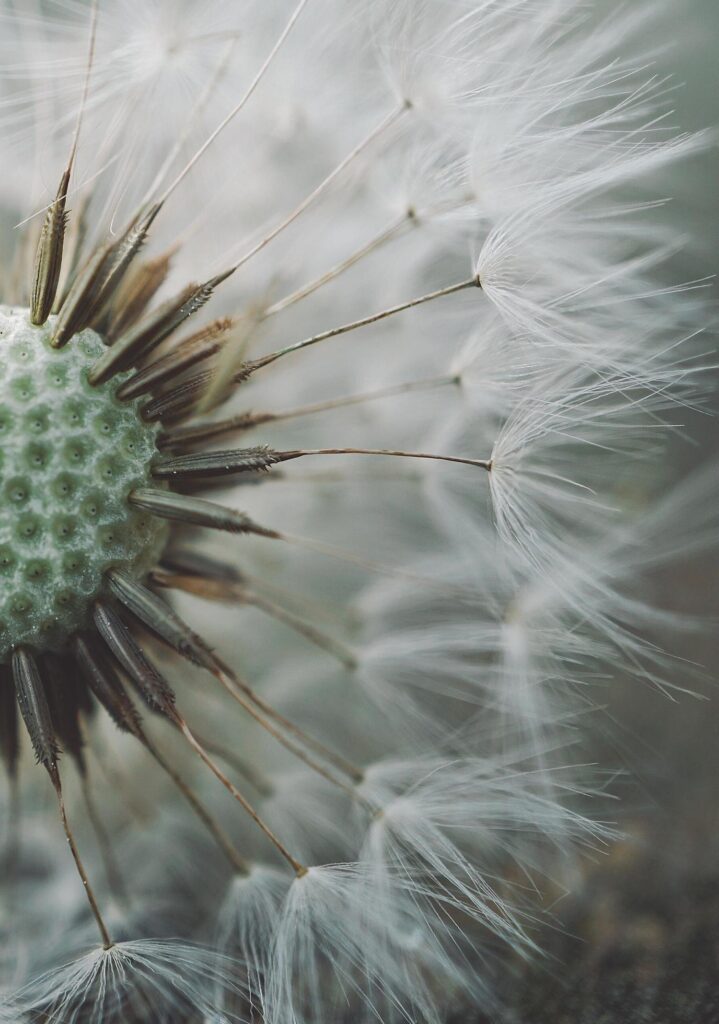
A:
<point x="199" y="346"/>
<point x="148" y="681"/>
<point x="191" y="511"/>
<point x="202" y="465"/>
<point x="48" y="258"/>
<point x="157" y="616"/>
<point x="102" y="275"/>
<point x="150" y="332"/>
<point x="35" y="710"/>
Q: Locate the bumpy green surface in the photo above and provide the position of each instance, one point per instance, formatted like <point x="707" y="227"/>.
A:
<point x="69" y="455"/>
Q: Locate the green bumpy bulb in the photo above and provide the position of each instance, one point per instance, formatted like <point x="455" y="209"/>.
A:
<point x="69" y="456"/>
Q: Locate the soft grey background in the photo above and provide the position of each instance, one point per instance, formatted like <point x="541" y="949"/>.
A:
<point x="690" y="30"/>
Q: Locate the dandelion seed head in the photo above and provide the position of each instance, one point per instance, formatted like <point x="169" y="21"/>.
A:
<point x="70" y="454"/>
<point x="301" y="607"/>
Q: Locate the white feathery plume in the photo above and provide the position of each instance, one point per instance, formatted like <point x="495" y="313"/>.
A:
<point x="346" y="948"/>
<point x="248" y="922"/>
<point x="448" y="824"/>
<point x="539" y="488"/>
<point x="166" y="979"/>
<point x="309" y="812"/>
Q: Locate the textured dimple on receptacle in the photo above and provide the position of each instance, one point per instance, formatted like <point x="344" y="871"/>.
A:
<point x="69" y="455"/>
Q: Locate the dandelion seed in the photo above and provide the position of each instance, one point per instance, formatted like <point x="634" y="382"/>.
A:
<point x="166" y="980"/>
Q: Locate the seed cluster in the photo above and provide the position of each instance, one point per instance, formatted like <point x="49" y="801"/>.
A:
<point x="69" y="455"/>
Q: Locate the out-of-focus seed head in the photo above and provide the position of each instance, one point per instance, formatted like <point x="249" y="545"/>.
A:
<point x="69" y="455"/>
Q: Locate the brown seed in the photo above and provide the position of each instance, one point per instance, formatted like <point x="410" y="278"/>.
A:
<point x="48" y="259"/>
